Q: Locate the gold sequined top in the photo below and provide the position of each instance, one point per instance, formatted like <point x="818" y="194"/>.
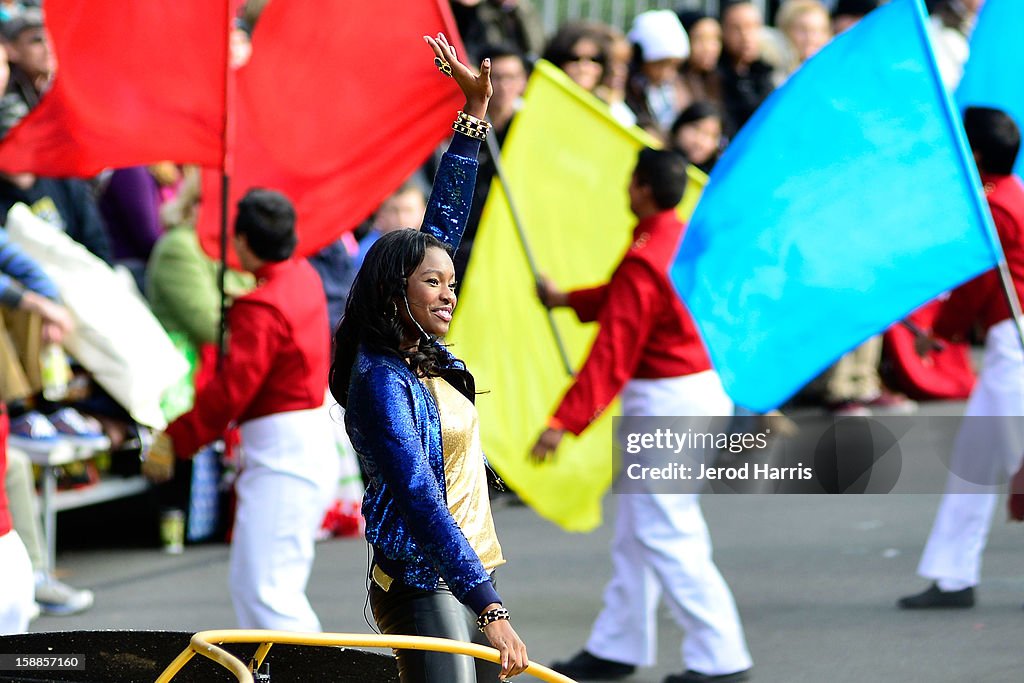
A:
<point x="464" y="472"/>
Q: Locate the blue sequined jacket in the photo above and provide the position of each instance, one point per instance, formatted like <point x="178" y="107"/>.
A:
<point x="395" y="428"/>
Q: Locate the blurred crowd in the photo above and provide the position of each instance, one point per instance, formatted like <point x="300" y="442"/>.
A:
<point x="690" y="79"/>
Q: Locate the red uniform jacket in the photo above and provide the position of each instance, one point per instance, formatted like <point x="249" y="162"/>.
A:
<point x="277" y="361"/>
<point x="981" y="300"/>
<point x="645" y="331"/>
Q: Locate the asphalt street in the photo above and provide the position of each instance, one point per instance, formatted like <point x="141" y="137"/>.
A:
<point x="815" y="578"/>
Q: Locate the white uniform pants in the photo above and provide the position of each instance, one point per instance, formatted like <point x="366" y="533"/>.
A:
<point x="952" y="556"/>
<point x="661" y="546"/>
<point x="17" y="585"/>
<point x="289" y="473"/>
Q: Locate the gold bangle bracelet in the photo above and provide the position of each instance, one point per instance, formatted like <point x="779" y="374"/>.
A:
<point x="469" y="119"/>
<point x="469" y="132"/>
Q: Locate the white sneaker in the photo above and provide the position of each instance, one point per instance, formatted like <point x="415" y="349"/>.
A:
<point x="57" y="598"/>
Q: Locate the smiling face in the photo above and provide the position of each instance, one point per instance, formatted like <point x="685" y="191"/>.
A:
<point x="431" y="294"/>
<point x="700" y="139"/>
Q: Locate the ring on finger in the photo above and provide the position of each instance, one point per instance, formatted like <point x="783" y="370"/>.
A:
<point x="443" y="66"/>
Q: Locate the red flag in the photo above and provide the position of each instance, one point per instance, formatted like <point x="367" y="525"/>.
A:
<point x="137" y="82"/>
<point x="338" y="105"/>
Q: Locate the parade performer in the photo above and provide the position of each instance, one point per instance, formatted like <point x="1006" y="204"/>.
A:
<point x="988" y="450"/>
<point x="272" y="382"/>
<point x="648" y="349"/>
<point x="409" y="412"/>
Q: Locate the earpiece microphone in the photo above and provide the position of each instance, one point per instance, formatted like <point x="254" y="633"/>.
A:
<point x="408" y="310"/>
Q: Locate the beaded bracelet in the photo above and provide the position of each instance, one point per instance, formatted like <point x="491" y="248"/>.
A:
<point x="469" y="132"/>
<point x="491" y="616"/>
<point x="477" y="133"/>
<point x="471" y="126"/>
<point x="472" y="121"/>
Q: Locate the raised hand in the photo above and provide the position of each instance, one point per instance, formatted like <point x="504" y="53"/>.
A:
<point x="475" y="86"/>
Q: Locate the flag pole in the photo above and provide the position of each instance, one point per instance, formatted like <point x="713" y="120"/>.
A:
<point x="1011" y="298"/>
<point x="225" y="185"/>
<point x="222" y="328"/>
<point x="492" y="147"/>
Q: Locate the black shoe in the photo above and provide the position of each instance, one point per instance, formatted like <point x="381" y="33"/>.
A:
<point x="691" y="676"/>
<point x="934" y="598"/>
<point x="585" y="666"/>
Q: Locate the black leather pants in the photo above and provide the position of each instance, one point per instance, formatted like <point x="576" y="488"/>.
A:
<point x="403" y="610"/>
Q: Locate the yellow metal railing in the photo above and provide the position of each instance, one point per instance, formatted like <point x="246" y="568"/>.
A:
<point x="206" y="644"/>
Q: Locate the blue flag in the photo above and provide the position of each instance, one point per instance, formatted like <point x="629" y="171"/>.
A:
<point x="994" y="75"/>
<point x="847" y="201"/>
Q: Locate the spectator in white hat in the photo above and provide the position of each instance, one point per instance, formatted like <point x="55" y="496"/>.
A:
<point x="656" y="91"/>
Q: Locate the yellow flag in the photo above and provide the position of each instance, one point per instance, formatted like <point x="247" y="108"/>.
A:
<point x="568" y="164"/>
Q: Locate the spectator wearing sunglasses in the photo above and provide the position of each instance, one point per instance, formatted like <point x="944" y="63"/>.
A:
<point x="581" y="51"/>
